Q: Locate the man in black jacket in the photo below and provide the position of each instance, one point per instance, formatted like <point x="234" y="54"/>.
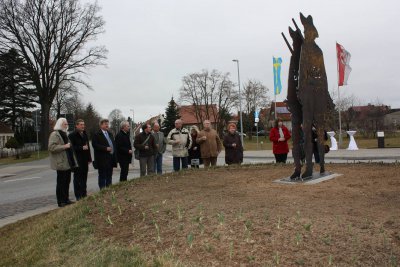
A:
<point x="104" y="154"/>
<point x="80" y="144"/>
<point x="124" y="150"/>
<point x="146" y="145"/>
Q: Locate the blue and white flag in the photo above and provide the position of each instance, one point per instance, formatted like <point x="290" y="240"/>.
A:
<point x="277" y="75"/>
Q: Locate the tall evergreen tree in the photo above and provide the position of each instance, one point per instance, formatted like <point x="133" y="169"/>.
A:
<point x="171" y="115"/>
<point x="16" y="95"/>
<point x="91" y="118"/>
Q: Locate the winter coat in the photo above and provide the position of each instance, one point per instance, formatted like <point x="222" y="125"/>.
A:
<point x="78" y="141"/>
<point x="58" y="155"/>
<point x="140" y="144"/>
<point x="185" y="141"/>
<point x="233" y="155"/>
<point x="279" y="147"/>
<point x="123" y="145"/>
<point x="102" y="157"/>
<point x="211" y="147"/>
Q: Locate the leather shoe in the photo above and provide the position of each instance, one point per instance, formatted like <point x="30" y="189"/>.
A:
<point x="69" y="202"/>
<point x="62" y="205"/>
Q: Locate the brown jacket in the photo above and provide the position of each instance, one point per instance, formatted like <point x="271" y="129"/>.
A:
<point x="211" y="146"/>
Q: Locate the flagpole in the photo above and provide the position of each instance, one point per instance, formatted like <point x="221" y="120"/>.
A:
<point x="339" y="109"/>
<point x="273" y="61"/>
<point x="340" y="120"/>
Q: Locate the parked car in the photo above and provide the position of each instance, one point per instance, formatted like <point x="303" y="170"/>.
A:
<point x="244" y="134"/>
<point x="263" y="133"/>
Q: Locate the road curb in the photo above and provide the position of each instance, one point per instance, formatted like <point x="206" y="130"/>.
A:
<point x="26" y="214"/>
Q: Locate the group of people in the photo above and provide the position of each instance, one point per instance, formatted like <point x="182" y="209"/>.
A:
<point x="203" y="147"/>
<point x="72" y="153"/>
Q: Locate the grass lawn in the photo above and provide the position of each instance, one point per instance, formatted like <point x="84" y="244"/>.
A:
<point x="228" y="216"/>
<point x="34" y="156"/>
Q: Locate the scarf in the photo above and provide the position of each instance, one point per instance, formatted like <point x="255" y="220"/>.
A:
<point x="70" y="155"/>
<point x="281" y="135"/>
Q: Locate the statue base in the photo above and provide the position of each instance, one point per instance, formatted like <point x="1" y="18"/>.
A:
<point x="314" y="179"/>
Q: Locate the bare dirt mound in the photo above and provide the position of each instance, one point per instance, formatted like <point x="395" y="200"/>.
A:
<point x="238" y="216"/>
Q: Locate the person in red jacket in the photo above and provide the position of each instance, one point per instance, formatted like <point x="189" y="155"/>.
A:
<point x="279" y="136"/>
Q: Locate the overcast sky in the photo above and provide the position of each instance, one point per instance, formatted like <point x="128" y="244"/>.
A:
<point x="154" y="43"/>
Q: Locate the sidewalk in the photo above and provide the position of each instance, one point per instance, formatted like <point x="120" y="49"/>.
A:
<point x="343" y="154"/>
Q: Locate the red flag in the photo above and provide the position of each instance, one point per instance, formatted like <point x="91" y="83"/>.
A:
<point x="344" y="69"/>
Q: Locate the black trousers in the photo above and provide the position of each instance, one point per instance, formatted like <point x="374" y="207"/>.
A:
<point x="280" y="158"/>
<point x="123" y="176"/>
<point x="80" y="181"/>
<point x="62" y="188"/>
<point x="105" y="177"/>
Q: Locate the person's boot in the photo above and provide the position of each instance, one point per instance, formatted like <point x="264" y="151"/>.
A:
<point x="322" y="169"/>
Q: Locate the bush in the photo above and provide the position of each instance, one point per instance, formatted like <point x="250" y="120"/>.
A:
<point x="12" y="143"/>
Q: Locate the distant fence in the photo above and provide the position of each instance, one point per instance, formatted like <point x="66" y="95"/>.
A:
<point x="11" y="152"/>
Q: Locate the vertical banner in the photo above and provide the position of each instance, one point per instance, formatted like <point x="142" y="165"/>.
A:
<point x="344" y="69"/>
<point x="277" y="75"/>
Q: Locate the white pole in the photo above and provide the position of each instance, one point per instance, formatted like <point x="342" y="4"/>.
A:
<point x="340" y="121"/>
<point x="339" y="108"/>
<point x="37" y="134"/>
<point x="132" y="135"/>
<point x="257" y="133"/>
<point x="240" y="103"/>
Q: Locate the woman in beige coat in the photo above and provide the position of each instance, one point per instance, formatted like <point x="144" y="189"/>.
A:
<point x="62" y="159"/>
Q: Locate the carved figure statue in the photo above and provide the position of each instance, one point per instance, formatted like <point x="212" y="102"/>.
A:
<point x="292" y="100"/>
<point x="308" y="98"/>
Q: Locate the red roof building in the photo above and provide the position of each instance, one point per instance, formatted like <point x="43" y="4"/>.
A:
<point x="195" y="115"/>
<point x="281" y="112"/>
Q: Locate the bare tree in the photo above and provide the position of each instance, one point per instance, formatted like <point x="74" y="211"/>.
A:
<point x="345" y="104"/>
<point x="255" y="97"/>
<point x="115" y="118"/>
<point x="52" y="37"/>
<point x="208" y="91"/>
<point x="65" y="94"/>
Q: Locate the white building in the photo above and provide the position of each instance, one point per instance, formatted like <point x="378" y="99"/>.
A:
<point x="5" y="134"/>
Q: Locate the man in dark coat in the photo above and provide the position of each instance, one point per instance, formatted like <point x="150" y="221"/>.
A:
<point x="124" y="150"/>
<point x="146" y="145"/>
<point x="104" y="154"/>
<point x="80" y="144"/>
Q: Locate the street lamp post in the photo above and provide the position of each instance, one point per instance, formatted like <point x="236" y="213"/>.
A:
<point x="240" y="103"/>
<point x="132" y="134"/>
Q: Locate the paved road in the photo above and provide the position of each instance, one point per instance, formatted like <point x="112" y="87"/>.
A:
<point x="31" y="186"/>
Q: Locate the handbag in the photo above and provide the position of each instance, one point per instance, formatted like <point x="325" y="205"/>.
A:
<point x="136" y="152"/>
